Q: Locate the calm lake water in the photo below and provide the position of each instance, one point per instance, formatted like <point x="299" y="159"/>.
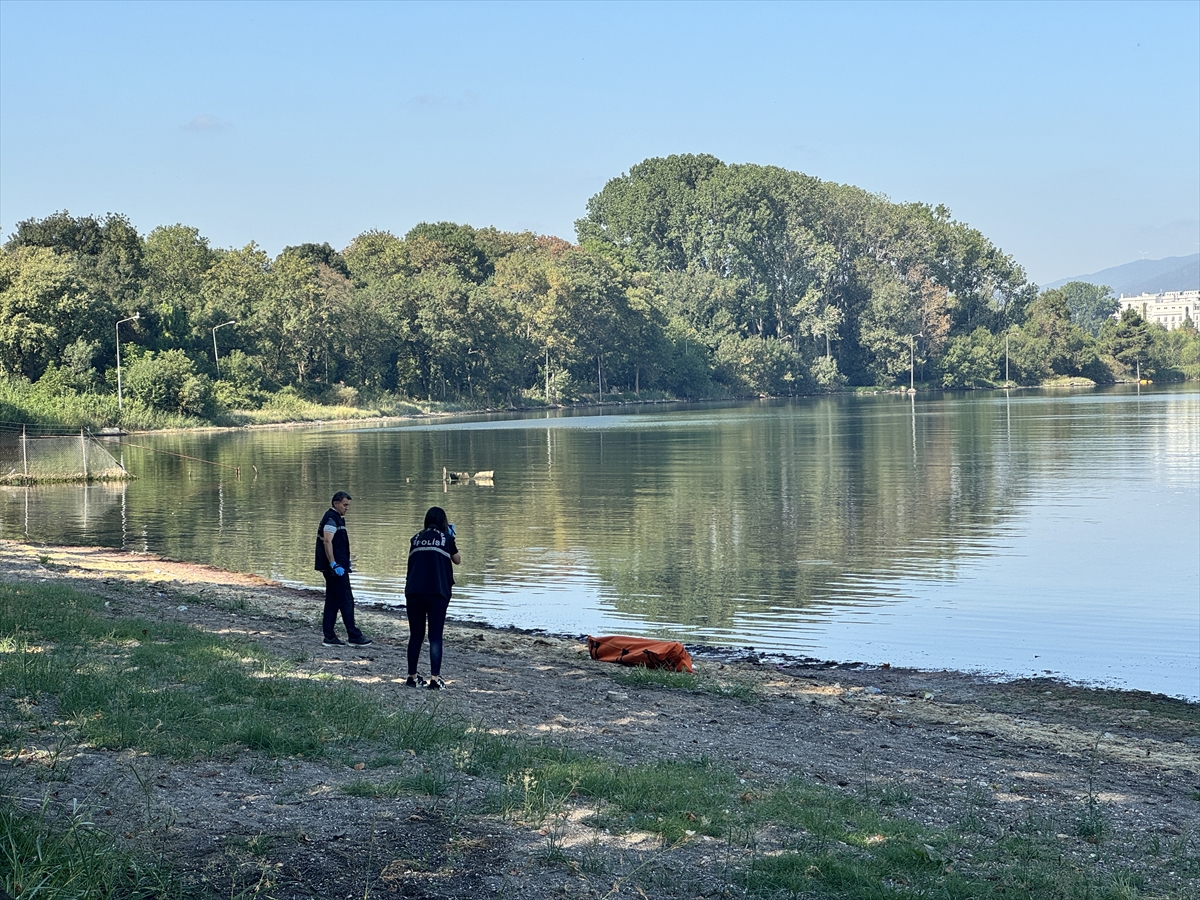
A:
<point x="1028" y="534"/>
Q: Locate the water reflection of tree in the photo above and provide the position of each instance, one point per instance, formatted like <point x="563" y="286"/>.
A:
<point x="823" y="502"/>
<point x="780" y="516"/>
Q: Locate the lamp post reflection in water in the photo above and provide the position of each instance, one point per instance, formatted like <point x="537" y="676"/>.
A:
<point x="912" y="359"/>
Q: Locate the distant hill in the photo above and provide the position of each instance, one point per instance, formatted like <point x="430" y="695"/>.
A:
<point x="1175" y="273"/>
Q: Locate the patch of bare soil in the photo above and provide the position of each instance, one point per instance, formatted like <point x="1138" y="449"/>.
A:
<point x="962" y="747"/>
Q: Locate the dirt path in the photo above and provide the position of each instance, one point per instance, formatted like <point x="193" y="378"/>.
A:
<point x="959" y="746"/>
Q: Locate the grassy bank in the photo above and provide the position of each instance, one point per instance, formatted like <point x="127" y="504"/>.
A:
<point x="75" y="679"/>
<point x="52" y="405"/>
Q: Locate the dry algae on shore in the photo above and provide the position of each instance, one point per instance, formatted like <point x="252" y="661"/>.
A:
<point x="543" y="774"/>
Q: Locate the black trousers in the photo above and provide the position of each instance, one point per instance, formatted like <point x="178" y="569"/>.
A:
<point x="339" y="598"/>
<point x="423" y="608"/>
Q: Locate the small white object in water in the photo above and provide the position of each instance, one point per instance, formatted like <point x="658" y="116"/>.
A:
<point x="183" y="609"/>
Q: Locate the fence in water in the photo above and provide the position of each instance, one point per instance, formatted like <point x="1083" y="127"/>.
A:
<point x="35" y="454"/>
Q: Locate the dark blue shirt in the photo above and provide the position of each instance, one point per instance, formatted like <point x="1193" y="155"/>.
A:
<point x="430" y="570"/>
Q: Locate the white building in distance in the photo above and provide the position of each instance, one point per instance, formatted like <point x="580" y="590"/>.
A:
<point x="1169" y="309"/>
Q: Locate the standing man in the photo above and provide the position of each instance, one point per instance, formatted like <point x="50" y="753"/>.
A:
<point x="333" y="560"/>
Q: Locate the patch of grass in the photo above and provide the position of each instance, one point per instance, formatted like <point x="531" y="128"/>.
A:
<point x="665" y="797"/>
<point x="844" y="852"/>
<point x="285" y="407"/>
<point x="25" y="402"/>
<point x="641" y="677"/>
<point x="260" y="844"/>
<point x="173" y="690"/>
<point x="970" y="824"/>
<point x="826" y="817"/>
<point x="843" y="846"/>
<point x="1180" y="716"/>
<point x="227" y="604"/>
<point x="592" y="860"/>
<point x="1183" y="860"/>
<point x="44" y="854"/>
<point x="887" y="795"/>
<point x="427" y="783"/>
<point x="1093" y="824"/>
<point x="383" y="760"/>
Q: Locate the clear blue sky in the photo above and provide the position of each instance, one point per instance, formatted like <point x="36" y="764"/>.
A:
<point x="1068" y="133"/>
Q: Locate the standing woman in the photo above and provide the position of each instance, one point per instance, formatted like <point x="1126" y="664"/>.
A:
<point x="427" y="592"/>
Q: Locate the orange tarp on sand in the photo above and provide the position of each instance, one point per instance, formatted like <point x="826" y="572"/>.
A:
<point x="636" y="651"/>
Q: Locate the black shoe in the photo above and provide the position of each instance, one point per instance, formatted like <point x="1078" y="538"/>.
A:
<point x="361" y="642"/>
<point x="436" y="683"/>
<point x="414" y="681"/>
<point x="333" y="642"/>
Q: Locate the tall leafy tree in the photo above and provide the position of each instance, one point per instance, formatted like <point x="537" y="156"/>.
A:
<point x="529" y="286"/>
<point x="809" y="264"/>
<point x="45" y="308"/>
<point x="1131" y="341"/>
<point x="651" y="216"/>
<point x="232" y="289"/>
<point x="296" y="321"/>
<point x="1090" y="305"/>
<point x="107" y="253"/>
<point x="375" y="257"/>
<point x="322" y="254"/>
<point x="176" y="259"/>
<point x="444" y="244"/>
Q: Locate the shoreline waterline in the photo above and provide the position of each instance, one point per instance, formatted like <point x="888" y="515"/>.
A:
<point x="140" y="566"/>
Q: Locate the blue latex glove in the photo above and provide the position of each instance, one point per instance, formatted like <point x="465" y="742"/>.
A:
<point x="337" y="570"/>
<point x="450" y="529"/>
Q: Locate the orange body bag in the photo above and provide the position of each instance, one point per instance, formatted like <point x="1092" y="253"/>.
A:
<point x="636" y="651"/>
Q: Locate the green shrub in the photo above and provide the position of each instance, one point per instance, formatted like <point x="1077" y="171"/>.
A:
<point x="240" y="384"/>
<point x="343" y="395"/>
<point x="169" y="381"/>
<point x="971" y="360"/>
<point x="824" y="371"/>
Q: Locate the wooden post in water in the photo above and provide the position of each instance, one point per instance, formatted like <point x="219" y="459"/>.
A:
<point x="24" y="453"/>
<point x="83" y="450"/>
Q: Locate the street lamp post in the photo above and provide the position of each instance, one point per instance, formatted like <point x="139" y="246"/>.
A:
<point x="133" y="318"/>
<point x="216" y="358"/>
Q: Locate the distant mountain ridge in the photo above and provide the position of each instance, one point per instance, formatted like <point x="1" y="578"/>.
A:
<point x="1145" y="276"/>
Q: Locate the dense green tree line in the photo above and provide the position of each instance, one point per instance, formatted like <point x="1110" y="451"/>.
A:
<point x="691" y="278"/>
